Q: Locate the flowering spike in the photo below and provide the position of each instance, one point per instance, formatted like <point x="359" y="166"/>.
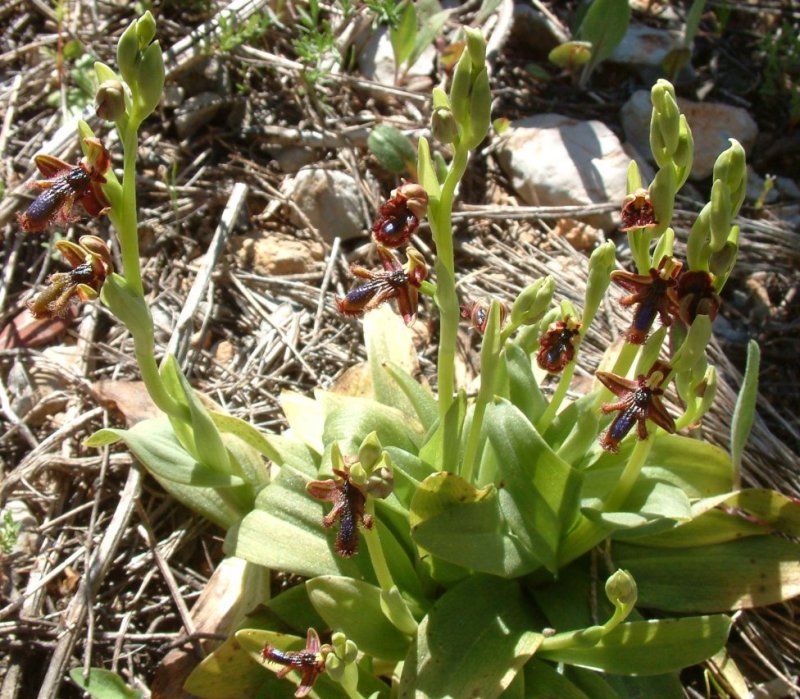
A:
<point x="399" y="217"/>
<point x="653" y="294"/>
<point x="65" y="185"/>
<point x="310" y="661"/>
<point x="557" y="346"/>
<point x="639" y="402"/>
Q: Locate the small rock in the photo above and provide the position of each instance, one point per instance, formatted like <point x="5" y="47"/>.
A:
<point x="376" y="60"/>
<point x="331" y="201"/>
<point x="554" y="160"/>
<point x="712" y="124"/>
<point x="787" y="187"/>
<point x="224" y="352"/>
<point x="290" y="159"/>
<point x="645" y="46"/>
<point x="276" y="255"/>
<point x="578" y="234"/>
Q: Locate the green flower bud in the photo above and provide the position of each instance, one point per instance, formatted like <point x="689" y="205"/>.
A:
<point x="358" y="475"/>
<point x="721" y="263"/>
<point x="664" y="247"/>
<point x="480" y="111"/>
<point x="664" y="122"/>
<point x="150" y="77"/>
<point x="334" y="667"/>
<point x="109" y="100"/>
<point x="634" y="177"/>
<point x="440" y="98"/>
<point x="706" y="391"/>
<point x="533" y="302"/>
<point x="697" y="246"/>
<point x="731" y="168"/>
<point x="650" y="351"/>
<point x="621" y="589"/>
<point x="145" y="30"/>
<point x="719" y="215"/>
<point x="662" y="196"/>
<point x="683" y="157"/>
<point x="339" y="642"/>
<point x="601" y="263"/>
<point x="476" y="45"/>
<point x="369" y="453"/>
<point x="381" y="483"/>
<point x="128" y="53"/>
<point x="460" y="89"/>
<point x="443" y="125"/>
<point x="694" y="346"/>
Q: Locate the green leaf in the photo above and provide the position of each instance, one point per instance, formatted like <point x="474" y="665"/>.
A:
<point x="648" y="500"/>
<point x="285" y="532"/>
<point x="446" y="457"/>
<point x="472" y="643"/>
<point x="228" y="424"/>
<point x="154" y="444"/>
<point x="403" y="37"/>
<point x="430" y="26"/>
<point x="392" y="149"/>
<point x="103" y="684"/>
<point x="209" y="503"/>
<point x="604" y="25"/>
<point x="543" y="487"/>
<point x="294" y="609"/>
<point x="420" y="397"/>
<point x="354" y="607"/>
<point x="745" y="410"/>
<point x="713" y="527"/>
<point x="751" y="572"/>
<point x="150" y="76"/>
<point x="464" y="525"/>
<point x="306" y="418"/>
<point x="426" y="171"/>
<point x="525" y="393"/>
<point x="649" y="647"/>
<point x="543" y="681"/>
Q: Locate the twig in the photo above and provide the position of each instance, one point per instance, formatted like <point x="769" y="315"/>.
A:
<point x="323" y="289"/>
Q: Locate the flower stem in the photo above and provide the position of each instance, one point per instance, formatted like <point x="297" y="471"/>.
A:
<point x="375" y="550"/>
<point x="128" y="231"/>
<point x="630" y="474"/>
<point x="558" y="397"/>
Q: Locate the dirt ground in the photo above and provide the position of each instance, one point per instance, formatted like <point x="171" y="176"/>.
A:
<point x="102" y="578"/>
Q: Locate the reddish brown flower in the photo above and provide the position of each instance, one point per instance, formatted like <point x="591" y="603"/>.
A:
<point x="477" y="312"/>
<point x="348" y="501"/>
<point x="557" y="345"/>
<point x="653" y="294"/>
<point x="637" y="211"/>
<point x="696" y="296"/>
<point x="309" y="662"/>
<point x="91" y="264"/>
<point x="640" y="401"/>
<point x="395" y="282"/>
<point x="399" y="217"/>
<point x="65" y="185"/>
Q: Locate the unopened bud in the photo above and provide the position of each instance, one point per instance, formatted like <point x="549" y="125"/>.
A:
<point x="621" y="589"/>
<point x="145" y="29"/>
<point x="533" y="302"/>
<point x="109" y="100"/>
<point x="476" y="45"/>
<point x="443" y="125"/>
<point x="380" y="484"/>
<point x="370" y="451"/>
<point x="731" y="168"/>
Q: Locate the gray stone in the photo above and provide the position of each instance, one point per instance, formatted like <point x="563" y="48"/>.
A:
<point x="645" y="46"/>
<point x="197" y="111"/>
<point x="712" y="124"/>
<point x="376" y="59"/>
<point x="330" y="200"/>
<point x="554" y="160"/>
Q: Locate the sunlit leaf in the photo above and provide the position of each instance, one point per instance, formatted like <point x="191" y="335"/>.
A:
<point x="103" y="684"/>
<point x="392" y="149"/>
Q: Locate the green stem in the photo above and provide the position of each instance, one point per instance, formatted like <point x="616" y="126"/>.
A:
<point x="128" y="231"/>
<point x="630" y="474"/>
<point x="375" y="550"/>
<point x="558" y="397"/>
<point x="446" y="296"/>
<point x="151" y="377"/>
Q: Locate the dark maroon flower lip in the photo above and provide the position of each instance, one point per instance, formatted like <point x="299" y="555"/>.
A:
<point x="396" y="281"/>
<point x="695" y="295"/>
<point x="66" y="185"/>
<point x="637" y="211"/>
<point x="400" y="215"/>
<point x="349" y="501"/>
<point x="653" y="294"/>
<point x="640" y="401"/>
<point x="557" y="345"/>
<point x="310" y="661"/>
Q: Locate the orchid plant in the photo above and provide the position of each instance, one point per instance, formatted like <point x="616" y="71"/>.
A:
<point x="448" y="545"/>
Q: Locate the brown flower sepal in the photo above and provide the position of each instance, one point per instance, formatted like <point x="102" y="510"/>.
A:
<point x="394" y="282"/>
<point x="66" y="185"/>
<point x="399" y="217"/>
<point x="653" y="294"/>
<point x="349" y="500"/>
<point x="557" y="345"/>
<point x="640" y="401"/>
<point x="637" y="211"/>
<point x="477" y="313"/>
<point x="310" y="661"/>
<point x="91" y="263"/>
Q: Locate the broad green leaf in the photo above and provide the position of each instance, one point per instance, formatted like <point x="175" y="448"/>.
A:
<point x="543" y="681"/>
<point x="409" y="472"/>
<point x="544" y="487"/>
<point x="103" y="684"/>
<point x="246" y="461"/>
<point x="228" y="424"/>
<point x="426" y="171"/>
<point x="388" y="339"/>
<point x="472" y="643"/>
<point x="224" y="511"/>
<point x="649" y="647"/>
<point x="392" y="149"/>
<point x="354" y="607"/>
<point x="566" y="421"/>
<point x="751" y="572"/>
<point x="604" y="25"/>
<point x="648" y="500"/>
<point x="349" y="420"/>
<point x="285" y="532"/>
<point x="433" y="451"/>
<point x="305" y="417"/>
<point x="461" y="524"/>
<point x="154" y="444"/>
<point x="404" y="35"/>
<point x="523" y="387"/>
<point x="419" y="396"/>
<point x="294" y="608"/>
<point x="745" y="409"/>
<point x="592" y="683"/>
